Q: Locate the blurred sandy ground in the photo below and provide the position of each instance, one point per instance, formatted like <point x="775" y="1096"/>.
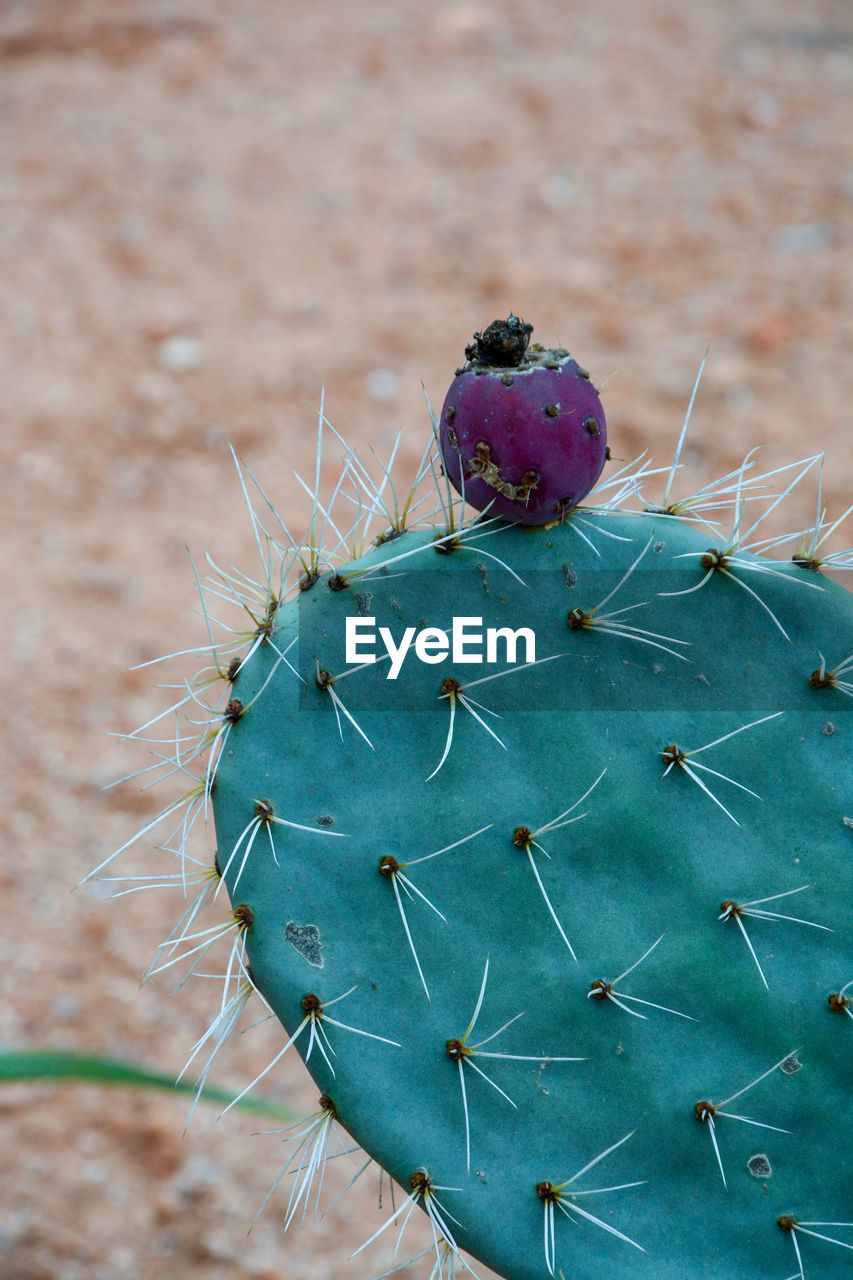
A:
<point x="209" y="212"/>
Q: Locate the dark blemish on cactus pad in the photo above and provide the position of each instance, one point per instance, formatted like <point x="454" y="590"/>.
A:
<point x="791" y="1065"/>
<point x="325" y="820"/>
<point x="828" y="729"/>
<point x="759" y="1166"/>
<point x="305" y="939"/>
<point x="570" y="577"/>
<point x="363" y="601"/>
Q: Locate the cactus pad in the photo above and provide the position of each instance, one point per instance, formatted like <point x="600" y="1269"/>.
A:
<point x="555" y="900"/>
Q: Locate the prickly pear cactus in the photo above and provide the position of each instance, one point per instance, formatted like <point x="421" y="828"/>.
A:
<point x="538" y="842"/>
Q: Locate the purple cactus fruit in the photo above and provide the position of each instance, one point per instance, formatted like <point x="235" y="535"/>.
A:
<point x="522" y="429"/>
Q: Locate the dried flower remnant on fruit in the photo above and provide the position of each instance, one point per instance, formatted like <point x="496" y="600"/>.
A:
<point x="503" y="343"/>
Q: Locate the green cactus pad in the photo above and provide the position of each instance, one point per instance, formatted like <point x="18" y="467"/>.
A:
<point x="563" y="935"/>
<point x="711" y="772"/>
